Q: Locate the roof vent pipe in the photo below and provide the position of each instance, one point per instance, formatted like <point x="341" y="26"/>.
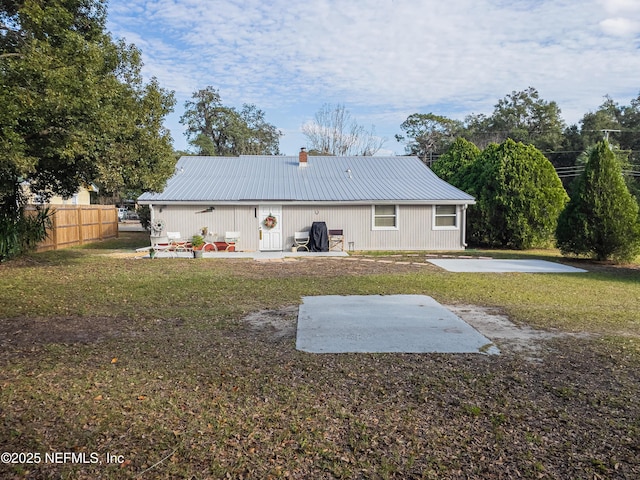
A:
<point x="302" y="157"/>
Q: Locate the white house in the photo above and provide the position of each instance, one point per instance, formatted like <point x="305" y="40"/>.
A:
<point x="379" y="203"/>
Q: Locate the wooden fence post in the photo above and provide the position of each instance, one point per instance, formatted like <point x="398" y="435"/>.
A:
<point x="79" y="224"/>
<point x="100" y="223"/>
<point x="54" y="227"/>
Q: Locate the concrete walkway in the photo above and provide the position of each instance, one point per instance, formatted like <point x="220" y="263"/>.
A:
<point x="264" y="256"/>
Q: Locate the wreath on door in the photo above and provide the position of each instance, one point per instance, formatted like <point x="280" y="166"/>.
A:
<point x="270" y="221"/>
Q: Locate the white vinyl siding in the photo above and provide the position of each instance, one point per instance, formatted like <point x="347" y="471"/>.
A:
<point x="385" y="217"/>
<point x="445" y="217"/>
<point x="418" y="230"/>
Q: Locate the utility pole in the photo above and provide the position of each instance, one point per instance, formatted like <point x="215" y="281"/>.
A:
<point x="606" y="132"/>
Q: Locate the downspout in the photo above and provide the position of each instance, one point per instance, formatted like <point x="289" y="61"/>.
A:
<point x="152" y="219"/>
<point x="464" y="225"/>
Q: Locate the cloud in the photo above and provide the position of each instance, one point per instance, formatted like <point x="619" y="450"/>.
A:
<point x="615" y="7"/>
<point x="386" y="59"/>
<point x="620" y="27"/>
<point x="624" y="19"/>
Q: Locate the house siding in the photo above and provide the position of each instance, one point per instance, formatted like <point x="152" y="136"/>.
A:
<point x="415" y="225"/>
<point x="189" y="220"/>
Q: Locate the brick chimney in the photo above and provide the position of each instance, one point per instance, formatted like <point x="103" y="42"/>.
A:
<point x="302" y="157"/>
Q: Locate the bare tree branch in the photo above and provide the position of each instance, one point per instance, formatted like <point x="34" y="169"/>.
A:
<point x="334" y="132"/>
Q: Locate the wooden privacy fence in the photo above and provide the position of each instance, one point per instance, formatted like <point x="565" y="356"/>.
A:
<point x="79" y="224"/>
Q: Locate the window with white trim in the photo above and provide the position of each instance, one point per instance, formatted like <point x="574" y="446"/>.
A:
<point x="445" y="217"/>
<point x="385" y="217"/>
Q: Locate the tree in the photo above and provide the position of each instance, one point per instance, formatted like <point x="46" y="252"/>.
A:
<point x="630" y="141"/>
<point x="619" y="125"/>
<point x="519" y="197"/>
<point x="601" y="219"/>
<point x="630" y="135"/>
<point x="454" y="164"/>
<point x="477" y="129"/>
<point x="334" y="132"/>
<point x="564" y="160"/>
<point x="428" y="134"/>
<point x="523" y="117"/>
<point x="595" y="124"/>
<point x="82" y="118"/>
<point x="73" y="107"/>
<point x="214" y="129"/>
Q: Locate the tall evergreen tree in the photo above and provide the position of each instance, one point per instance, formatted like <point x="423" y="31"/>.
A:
<point x="601" y="219"/>
<point x="453" y="165"/>
<point x="519" y="197"/>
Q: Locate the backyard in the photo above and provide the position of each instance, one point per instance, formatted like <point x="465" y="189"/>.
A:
<point x="113" y="366"/>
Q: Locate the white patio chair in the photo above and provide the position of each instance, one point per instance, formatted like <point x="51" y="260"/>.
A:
<point x="231" y="238"/>
<point x="301" y="240"/>
<point x="160" y="243"/>
<point x="177" y="243"/>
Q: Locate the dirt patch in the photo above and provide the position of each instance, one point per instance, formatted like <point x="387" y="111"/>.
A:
<point x="508" y="336"/>
<point x="136" y="255"/>
<point x="323" y="267"/>
<point x="275" y="324"/>
<point x="65" y="330"/>
<point x="281" y="324"/>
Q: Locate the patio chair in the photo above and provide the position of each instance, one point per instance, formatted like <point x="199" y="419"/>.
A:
<point x="177" y="244"/>
<point x="336" y="240"/>
<point x="160" y="243"/>
<point x="301" y="240"/>
<point x="231" y="238"/>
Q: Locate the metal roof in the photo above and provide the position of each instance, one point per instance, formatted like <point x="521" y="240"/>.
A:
<point x="250" y="178"/>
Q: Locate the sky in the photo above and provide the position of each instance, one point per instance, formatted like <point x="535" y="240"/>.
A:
<point x="384" y="59"/>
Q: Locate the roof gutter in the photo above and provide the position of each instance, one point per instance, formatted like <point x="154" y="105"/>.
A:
<point x="253" y="202"/>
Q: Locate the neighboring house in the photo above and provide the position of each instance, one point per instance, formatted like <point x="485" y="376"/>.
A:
<point x="380" y="203"/>
<point x="82" y="197"/>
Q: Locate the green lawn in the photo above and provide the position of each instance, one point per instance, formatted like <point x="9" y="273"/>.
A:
<point x="153" y="360"/>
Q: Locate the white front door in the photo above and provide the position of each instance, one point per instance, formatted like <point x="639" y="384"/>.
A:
<point x="270" y="237"/>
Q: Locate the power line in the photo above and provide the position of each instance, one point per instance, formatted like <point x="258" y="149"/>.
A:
<point x="607" y="131"/>
<point x="577" y="173"/>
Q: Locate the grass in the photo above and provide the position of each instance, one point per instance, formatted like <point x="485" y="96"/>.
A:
<point x="152" y="360"/>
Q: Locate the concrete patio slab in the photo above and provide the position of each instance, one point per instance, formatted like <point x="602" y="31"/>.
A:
<point x="379" y="324"/>
<point x="502" y="266"/>
<point x="265" y="256"/>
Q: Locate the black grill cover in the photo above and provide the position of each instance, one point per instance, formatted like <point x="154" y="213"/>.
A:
<point x="318" y="237"/>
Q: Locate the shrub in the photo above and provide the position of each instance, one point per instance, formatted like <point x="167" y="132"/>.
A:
<point x="601" y="219"/>
<point x="454" y="163"/>
<point x="144" y="215"/>
<point x="519" y="197"/>
<point x="22" y="234"/>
